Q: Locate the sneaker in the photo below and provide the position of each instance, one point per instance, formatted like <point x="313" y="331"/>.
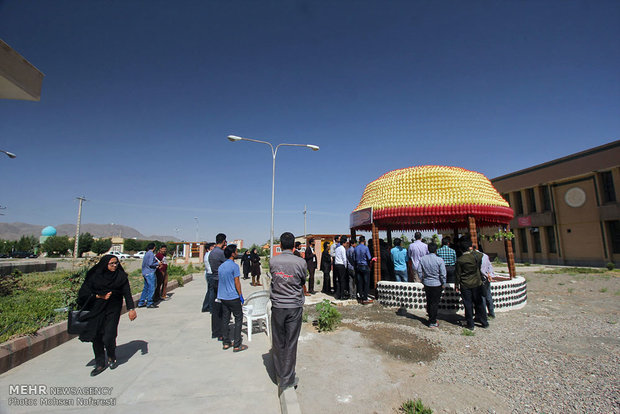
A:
<point x="152" y="306"/>
<point x="433" y="325"/>
<point x="141" y="305"/>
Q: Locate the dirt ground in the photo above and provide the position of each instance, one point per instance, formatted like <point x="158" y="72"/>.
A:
<point x="558" y="354"/>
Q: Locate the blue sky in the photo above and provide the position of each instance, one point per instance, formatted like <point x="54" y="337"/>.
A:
<point x="139" y="97"/>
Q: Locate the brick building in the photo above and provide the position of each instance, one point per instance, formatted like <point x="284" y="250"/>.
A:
<point x="566" y="210"/>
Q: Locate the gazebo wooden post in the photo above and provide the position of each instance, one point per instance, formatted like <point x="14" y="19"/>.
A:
<point x="377" y="253"/>
<point x="456" y="235"/>
<point x="389" y="237"/>
<point x="472" y="232"/>
<point x="510" y="257"/>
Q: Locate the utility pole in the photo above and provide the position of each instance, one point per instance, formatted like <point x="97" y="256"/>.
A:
<point x="77" y="228"/>
<point x="305" y="212"/>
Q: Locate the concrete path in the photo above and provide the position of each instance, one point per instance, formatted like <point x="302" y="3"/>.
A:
<point x="168" y="364"/>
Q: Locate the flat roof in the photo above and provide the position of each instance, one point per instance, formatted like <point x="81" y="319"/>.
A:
<point x="557" y="161"/>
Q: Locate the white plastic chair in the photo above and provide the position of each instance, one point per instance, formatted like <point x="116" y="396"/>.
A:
<point x="255" y="308"/>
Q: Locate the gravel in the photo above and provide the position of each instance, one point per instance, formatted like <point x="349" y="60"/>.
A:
<point x="559" y="354"/>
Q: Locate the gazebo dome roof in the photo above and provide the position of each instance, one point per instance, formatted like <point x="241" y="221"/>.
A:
<point x="433" y="197"/>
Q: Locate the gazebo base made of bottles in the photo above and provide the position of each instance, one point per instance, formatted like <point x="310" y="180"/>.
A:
<point x="442" y="199"/>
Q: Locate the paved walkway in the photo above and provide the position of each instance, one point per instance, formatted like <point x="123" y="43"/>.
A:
<point x="168" y="364"/>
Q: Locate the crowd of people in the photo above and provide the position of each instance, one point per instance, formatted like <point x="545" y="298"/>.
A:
<point x="224" y="298"/>
<point x="349" y="262"/>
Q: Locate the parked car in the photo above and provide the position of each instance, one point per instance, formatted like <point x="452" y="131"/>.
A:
<point x="23" y="255"/>
<point x="120" y="255"/>
<point x="139" y="255"/>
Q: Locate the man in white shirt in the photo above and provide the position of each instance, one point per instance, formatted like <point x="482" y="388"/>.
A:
<point x="210" y="295"/>
<point x="332" y="253"/>
<point x="340" y="266"/>
<point x="416" y="250"/>
<point x="486" y="268"/>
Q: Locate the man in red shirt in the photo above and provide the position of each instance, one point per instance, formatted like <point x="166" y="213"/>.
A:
<point x="162" y="281"/>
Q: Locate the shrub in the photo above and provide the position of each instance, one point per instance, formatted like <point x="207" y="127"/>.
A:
<point x="415" y="407"/>
<point x="611" y="266"/>
<point x="304" y="318"/>
<point x="329" y="317"/>
<point x="9" y="283"/>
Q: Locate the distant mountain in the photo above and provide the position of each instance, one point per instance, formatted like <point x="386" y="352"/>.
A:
<point x="13" y="231"/>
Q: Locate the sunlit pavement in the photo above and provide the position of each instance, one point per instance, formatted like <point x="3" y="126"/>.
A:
<point x="167" y="363"/>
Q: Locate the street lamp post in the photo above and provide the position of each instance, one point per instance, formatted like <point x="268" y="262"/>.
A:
<point x="196" y="218"/>
<point x="9" y="154"/>
<point x="274" y="152"/>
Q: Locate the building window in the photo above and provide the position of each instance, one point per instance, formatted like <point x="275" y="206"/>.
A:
<point x="536" y="240"/>
<point x="613" y="228"/>
<point x="519" y="203"/>
<point x="607" y="187"/>
<point x="551" y="245"/>
<point x="545" y="196"/>
<point x="531" y="201"/>
<point x="523" y="240"/>
<point x="506" y="197"/>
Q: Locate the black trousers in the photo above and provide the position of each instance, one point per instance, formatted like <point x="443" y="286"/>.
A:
<point x="450" y="278"/>
<point x="433" y="296"/>
<point x="327" y="286"/>
<point x="232" y="306"/>
<point x="472" y="298"/>
<point x="105" y="340"/>
<point x="159" y="277"/>
<point x="311" y="270"/>
<point x="216" y="314"/>
<point x="363" y="280"/>
<point x="285" y="326"/>
<point x="343" y="283"/>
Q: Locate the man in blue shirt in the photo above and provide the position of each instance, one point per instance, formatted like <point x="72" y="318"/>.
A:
<point x="449" y="257"/>
<point x="362" y="269"/>
<point x="399" y="257"/>
<point x="229" y="293"/>
<point x="149" y="266"/>
<point x="432" y="271"/>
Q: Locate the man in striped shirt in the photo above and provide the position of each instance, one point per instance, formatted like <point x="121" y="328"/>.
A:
<point x="449" y="257"/>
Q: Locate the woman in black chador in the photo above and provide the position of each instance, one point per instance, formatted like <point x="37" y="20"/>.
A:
<point x="326" y="265"/>
<point x="255" y="260"/>
<point x="102" y="292"/>
<point x="246" y="264"/>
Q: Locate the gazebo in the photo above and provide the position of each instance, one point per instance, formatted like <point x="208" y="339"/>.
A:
<point x="431" y="197"/>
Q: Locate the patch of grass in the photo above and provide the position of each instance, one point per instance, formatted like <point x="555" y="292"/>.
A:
<point x="612" y="322"/>
<point x="610" y="266"/>
<point x="468" y="332"/>
<point x="617" y="293"/>
<point x="571" y="290"/>
<point x="304" y="318"/>
<point x="603" y="290"/>
<point x="561" y="284"/>
<point x="415" y="407"/>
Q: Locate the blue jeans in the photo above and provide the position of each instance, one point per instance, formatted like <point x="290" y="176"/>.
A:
<point x="401" y="275"/>
<point x="149" y="289"/>
<point x="487" y="299"/>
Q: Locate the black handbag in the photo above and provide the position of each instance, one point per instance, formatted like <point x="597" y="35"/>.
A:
<point x="77" y="320"/>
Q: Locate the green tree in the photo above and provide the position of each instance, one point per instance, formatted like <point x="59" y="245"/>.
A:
<point x="132" y="245"/>
<point x="26" y="244"/>
<point x="404" y="241"/>
<point x="6" y="246"/>
<point x="55" y="246"/>
<point x="85" y="243"/>
<point x="101" y="246"/>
